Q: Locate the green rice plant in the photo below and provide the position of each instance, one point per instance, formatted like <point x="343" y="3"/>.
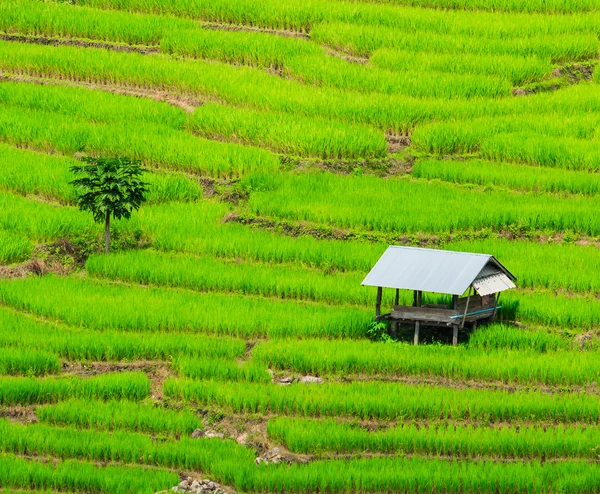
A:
<point x="554" y="265"/>
<point x="40" y="221"/>
<point x="417" y="474"/>
<point x="471" y="136"/>
<point x="30" y="172"/>
<point x="14" y="247"/>
<point x="126" y="308"/>
<point x="537" y="6"/>
<point x="119" y="415"/>
<point x="76" y="476"/>
<point x="367" y="358"/>
<point x="248" y="48"/>
<point x="334" y="72"/>
<point x="516" y="70"/>
<point x="438" y="439"/>
<point x="28" y="362"/>
<point x="514" y="176"/>
<point x="155" y="145"/>
<point x="230" y="274"/>
<point x="565" y="152"/>
<point x="26" y="391"/>
<point x="363" y="40"/>
<point x="401" y="206"/>
<point x="288" y="134"/>
<point x="198" y="228"/>
<point x="238" y="86"/>
<point x="220" y="369"/>
<point x="171" y="34"/>
<point x="498" y="336"/>
<point x="288" y="14"/>
<point x="74" y="343"/>
<point x="223" y="459"/>
<point x="90" y="105"/>
<point x="557" y="309"/>
<point x="387" y="401"/>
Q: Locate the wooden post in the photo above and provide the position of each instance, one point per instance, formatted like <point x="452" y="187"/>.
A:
<point x="378" y="303"/>
<point x="454" y="302"/>
<point x="418" y="298"/>
<point x="496" y="306"/>
<point x="462" y="324"/>
<point x="395" y="323"/>
<point x="455" y="335"/>
<point x="415" y="298"/>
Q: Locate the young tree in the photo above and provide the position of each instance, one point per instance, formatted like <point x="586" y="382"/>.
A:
<point x="109" y="187"/>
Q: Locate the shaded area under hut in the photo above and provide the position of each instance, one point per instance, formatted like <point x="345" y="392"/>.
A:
<point x="475" y="282"/>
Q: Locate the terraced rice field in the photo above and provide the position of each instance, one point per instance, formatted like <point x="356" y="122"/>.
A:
<point x="227" y="337"/>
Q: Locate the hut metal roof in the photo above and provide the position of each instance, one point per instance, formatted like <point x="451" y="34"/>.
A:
<point x="439" y="271"/>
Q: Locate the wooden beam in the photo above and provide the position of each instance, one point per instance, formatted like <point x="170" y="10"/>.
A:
<point x="378" y="302"/>
<point x="397" y="298"/>
<point x="455" y="335"/>
<point x="418" y="300"/>
<point x="454" y="302"/>
<point x="415" y="298"/>
<point x="462" y="324"/>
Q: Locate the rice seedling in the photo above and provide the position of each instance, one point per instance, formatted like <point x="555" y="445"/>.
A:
<point x="220" y="369"/>
<point x="288" y="134"/>
<point x="238" y="86"/>
<point x="25" y="391"/>
<point x="363" y="40"/>
<point x="516" y="70"/>
<point x="334" y="72"/>
<point x="231" y="275"/>
<point x="119" y="415"/>
<point x="402" y="206"/>
<point x="367" y="358"/>
<point x="31" y="172"/>
<point x="162" y="310"/>
<point x="154" y="145"/>
<point x="28" y="362"/>
<point x="499" y="336"/>
<point x="14" y="247"/>
<point x="387" y="401"/>
<point x="437" y="439"/>
<point x="76" y="476"/>
<point x="198" y="228"/>
<point x="514" y="176"/>
<point x="287" y="14"/>
<point x="93" y="106"/>
<point x="417" y="474"/>
<point x="75" y="343"/>
<point x="214" y="456"/>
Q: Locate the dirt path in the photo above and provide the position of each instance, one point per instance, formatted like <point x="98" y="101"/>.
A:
<point x="185" y="102"/>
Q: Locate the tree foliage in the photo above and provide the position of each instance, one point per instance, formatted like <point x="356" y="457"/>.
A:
<point x="109" y="187"/>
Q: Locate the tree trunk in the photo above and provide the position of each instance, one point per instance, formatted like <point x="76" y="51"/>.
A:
<point x="107" y="232"/>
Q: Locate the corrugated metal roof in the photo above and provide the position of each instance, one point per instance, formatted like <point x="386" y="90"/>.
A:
<point x="493" y="284"/>
<point x="429" y="270"/>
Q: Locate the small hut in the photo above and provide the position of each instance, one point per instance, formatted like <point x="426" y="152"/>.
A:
<point x="475" y="282"/>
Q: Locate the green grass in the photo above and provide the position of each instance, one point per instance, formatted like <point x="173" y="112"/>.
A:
<point x="26" y="391"/>
<point x="75" y="476"/>
<point x="124" y="308"/>
<point x="387" y="401"/>
<point x="311" y="436"/>
<point x="362" y="358"/>
<point x="118" y="415"/>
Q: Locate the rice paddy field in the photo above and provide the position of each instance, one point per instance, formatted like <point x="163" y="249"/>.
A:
<point x="226" y="341"/>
